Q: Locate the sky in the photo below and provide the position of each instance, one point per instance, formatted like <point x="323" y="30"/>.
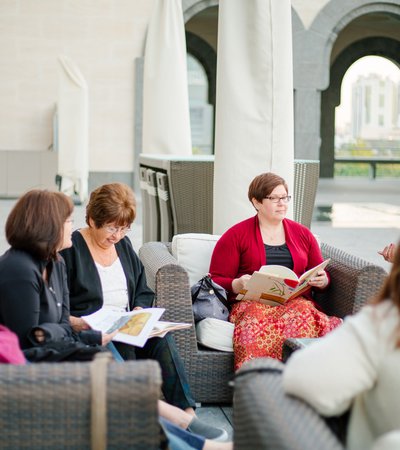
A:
<point x="364" y="66"/>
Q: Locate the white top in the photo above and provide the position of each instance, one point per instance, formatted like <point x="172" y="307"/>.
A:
<point x="114" y="286"/>
<point x="357" y="361"/>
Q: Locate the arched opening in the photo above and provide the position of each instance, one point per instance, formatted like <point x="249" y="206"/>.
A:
<point x="368" y="118"/>
<point x="331" y="97"/>
<point x="201" y="43"/>
<point x="201" y="111"/>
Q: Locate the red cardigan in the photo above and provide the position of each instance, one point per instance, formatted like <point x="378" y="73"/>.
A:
<point x="240" y="251"/>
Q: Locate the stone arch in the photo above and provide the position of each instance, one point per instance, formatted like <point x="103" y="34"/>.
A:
<point x="323" y="32"/>
<point x="192" y="7"/>
<point x="312" y="63"/>
<point x="298" y="32"/>
<point x="385" y="47"/>
<point x="201" y="49"/>
<point x="207" y="56"/>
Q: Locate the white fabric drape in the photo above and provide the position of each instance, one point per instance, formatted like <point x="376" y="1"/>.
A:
<point x="73" y="129"/>
<point x="166" y="120"/>
<point x="254" y="107"/>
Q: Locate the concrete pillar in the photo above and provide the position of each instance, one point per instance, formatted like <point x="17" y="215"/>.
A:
<point x="329" y="101"/>
<point x="307" y="107"/>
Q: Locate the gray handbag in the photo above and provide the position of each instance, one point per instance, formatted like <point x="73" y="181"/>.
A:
<point x="209" y="299"/>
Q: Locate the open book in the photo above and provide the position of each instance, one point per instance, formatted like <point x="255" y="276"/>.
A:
<point x="274" y="285"/>
<point x="135" y="327"/>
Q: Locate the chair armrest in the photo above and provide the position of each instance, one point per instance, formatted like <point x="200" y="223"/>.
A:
<point x="170" y="282"/>
<point x="266" y="418"/>
<point x="155" y="255"/>
<point x="353" y="282"/>
<point x="47" y="405"/>
<point x="209" y="371"/>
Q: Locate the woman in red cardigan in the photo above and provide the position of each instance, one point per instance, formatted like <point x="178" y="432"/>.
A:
<point x="269" y="238"/>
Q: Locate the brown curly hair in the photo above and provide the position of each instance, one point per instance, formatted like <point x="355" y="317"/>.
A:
<point x="111" y="203"/>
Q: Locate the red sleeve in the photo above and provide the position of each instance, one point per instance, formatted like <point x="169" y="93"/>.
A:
<point x="239" y="251"/>
<point x="225" y="260"/>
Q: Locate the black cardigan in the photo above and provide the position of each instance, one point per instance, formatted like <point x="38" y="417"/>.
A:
<point x="86" y="295"/>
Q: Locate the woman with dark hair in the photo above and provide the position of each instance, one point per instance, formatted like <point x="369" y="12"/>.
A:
<point x="105" y="272"/>
<point x="269" y="238"/>
<point x="33" y="291"/>
<point x="357" y="366"/>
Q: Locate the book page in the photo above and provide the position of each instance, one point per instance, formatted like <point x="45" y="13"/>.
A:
<point x="304" y="279"/>
<point x="268" y="287"/>
<point x="312" y="272"/>
<point x="279" y="271"/>
<point x="278" y="285"/>
<point x="134" y="326"/>
<point x="162" y="328"/>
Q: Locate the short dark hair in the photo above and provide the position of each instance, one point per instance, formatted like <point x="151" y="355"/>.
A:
<point x="263" y="184"/>
<point x="111" y="203"/>
<point x="36" y="222"/>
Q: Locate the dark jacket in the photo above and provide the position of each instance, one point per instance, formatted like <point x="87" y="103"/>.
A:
<point x="27" y="301"/>
<point x="86" y="295"/>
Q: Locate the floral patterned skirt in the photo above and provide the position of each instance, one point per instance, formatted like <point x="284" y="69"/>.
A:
<point x="260" y="330"/>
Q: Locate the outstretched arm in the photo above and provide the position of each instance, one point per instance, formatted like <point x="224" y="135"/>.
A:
<point x="388" y="252"/>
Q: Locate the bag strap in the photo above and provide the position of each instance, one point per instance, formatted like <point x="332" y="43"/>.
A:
<point x="202" y="283"/>
<point x="210" y="284"/>
<point x="196" y="293"/>
<point x="98" y="407"/>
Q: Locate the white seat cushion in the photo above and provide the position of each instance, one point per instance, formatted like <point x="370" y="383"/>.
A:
<point x="193" y="252"/>
<point x="215" y="334"/>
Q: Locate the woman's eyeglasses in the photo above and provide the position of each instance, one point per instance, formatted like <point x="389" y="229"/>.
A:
<point x="119" y="230"/>
<point x="285" y="199"/>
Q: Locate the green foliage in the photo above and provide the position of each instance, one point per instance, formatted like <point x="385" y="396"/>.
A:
<point x="358" y="148"/>
<point x="365" y="170"/>
<point x="361" y="148"/>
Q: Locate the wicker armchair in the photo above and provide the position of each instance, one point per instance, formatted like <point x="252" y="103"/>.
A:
<point x="353" y="282"/>
<point x="48" y="406"/>
<point x="264" y="417"/>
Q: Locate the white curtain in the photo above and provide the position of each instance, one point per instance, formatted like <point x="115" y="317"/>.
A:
<point x="254" y="104"/>
<point x="73" y="129"/>
<point x="166" y="121"/>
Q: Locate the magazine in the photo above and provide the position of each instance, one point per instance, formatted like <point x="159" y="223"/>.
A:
<point x="274" y="285"/>
<point x="134" y="327"/>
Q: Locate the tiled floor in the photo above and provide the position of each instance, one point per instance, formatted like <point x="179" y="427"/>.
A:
<point x="359" y="216"/>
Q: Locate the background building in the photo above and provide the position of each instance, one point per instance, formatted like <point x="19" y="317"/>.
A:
<point x="106" y="41"/>
<point x="375" y="109"/>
